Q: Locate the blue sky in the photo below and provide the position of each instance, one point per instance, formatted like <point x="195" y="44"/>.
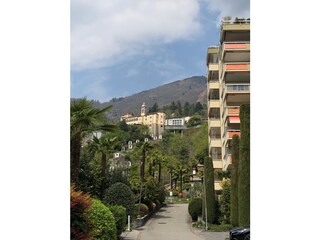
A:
<point x="119" y="48"/>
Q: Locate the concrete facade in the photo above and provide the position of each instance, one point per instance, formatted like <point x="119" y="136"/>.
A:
<point x="228" y="87"/>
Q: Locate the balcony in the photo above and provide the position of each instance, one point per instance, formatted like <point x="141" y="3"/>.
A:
<point x="237" y="30"/>
<point x="234" y="93"/>
<point x="213" y="103"/>
<point x="235" y="52"/>
<point x="236" y="72"/>
<point x="217" y="164"/>
<point x="213" y="85"/>
<point x="227" y="162"/>
<point x="230" y="111"/>
<point x="215" y="143"/>
<point x="229" y="133"/>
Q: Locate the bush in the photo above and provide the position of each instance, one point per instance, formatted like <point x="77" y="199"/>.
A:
<point x="143" y="209"/>
<point x="80" y="225"/>
<point x="102" y="221"/>
<point x="119" y="214"/>
<point x="120" y="194"/>
<point x="195" y="208"/>
<point x="158" y="204"/>
<point x="213" y="227"/>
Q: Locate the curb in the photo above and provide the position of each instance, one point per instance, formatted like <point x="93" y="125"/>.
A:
<point x="192" y="230"/>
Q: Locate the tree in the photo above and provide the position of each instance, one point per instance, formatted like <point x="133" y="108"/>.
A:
<point x="186" y="109"/>
<point x="155" y="107"/>
<point x="194" y="121"/>
<point x="234" y="215"/>
<point x="145" y="147"/>
<point x="103" y="145"/>
<point x="244" y="167"/>
<point x="178" y="111"/>
<point x="120" y="194"/>
<point x="84" y="119"/>
<point x="225" y="201"/>
<point x="209" y="198"/>
<point x="181" y="170"/>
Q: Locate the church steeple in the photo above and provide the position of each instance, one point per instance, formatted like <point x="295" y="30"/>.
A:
<point x="143" y="109"/>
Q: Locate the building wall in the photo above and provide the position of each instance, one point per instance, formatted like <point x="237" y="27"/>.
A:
<point x="154" y="121"/>
<point x="228" y="63"/>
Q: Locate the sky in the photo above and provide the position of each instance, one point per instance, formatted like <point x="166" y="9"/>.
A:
<point x="123" y="47"/>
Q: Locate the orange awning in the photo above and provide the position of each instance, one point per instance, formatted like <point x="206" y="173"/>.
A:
<point x="235" y="119"/>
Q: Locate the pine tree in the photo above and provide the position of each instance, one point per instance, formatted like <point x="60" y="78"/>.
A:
<point x="209" y="199"/>
<point x="244" y="167"/>
<point x="234" y="217"/>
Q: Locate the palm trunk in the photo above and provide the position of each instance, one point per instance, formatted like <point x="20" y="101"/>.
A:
<point x="159" y="176"/>
<point x="103" y="175"/>
<point x="143" y="162"/>
<point x="153" y="168"/>
<point x="75" y="149"/>
<point x="180" y="181"/>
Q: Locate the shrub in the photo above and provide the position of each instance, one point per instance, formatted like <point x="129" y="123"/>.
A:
<point x="120" y="194"/>
<point x="195" y="208"/>
<point x="102" y="221"/>
<point x="143" y="209"/>
<point x="119" y="214"/>
<point x="80" y="225"/>
<point x="158" y="204"/>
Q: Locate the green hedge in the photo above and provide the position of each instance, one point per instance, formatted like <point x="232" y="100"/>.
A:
<point x="102" y="221"/>
<point x="144" y="210"/>
<point x="119" y="214"/>
<point x="195" y="208"/>
<point x="120" y="194"/>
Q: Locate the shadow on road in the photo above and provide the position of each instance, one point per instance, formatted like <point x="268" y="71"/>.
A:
<point x="160" y="216"/>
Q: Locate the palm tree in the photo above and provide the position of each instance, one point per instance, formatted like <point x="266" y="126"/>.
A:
<point x="145" y="147"/>
<point x="181" y="170"/>
<point x="84" y="119"/>
<point x="103" y="145"/>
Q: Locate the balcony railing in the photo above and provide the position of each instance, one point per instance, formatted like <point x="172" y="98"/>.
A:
<point x="234" y="67"/>
<point x="235" y="88"/>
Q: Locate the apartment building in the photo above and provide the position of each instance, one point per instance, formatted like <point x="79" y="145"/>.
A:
<point x="228" y="66"/>
<point x="155" y="121"/>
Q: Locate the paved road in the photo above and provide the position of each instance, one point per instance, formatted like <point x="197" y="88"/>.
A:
<point x="170" y="223"/>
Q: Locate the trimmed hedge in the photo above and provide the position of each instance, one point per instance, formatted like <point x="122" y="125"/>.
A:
<point x="119" y="214"/>
<point x="195" y="208"/>
<point x="120" y="194"/>
<point x="102" y="221"/>
<point x="144" y="210"/>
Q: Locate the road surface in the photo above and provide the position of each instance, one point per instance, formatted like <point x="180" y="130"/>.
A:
<point x="170" y="223"/>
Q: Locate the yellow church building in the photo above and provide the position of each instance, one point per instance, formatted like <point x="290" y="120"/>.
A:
<point x="155" y="121"/>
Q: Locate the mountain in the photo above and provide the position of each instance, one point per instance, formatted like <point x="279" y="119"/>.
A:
<point x="192" y="90"/>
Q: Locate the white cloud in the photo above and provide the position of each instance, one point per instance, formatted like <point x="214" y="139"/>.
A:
<point x="106" y="32"/>
<point x="232" y="8"/>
